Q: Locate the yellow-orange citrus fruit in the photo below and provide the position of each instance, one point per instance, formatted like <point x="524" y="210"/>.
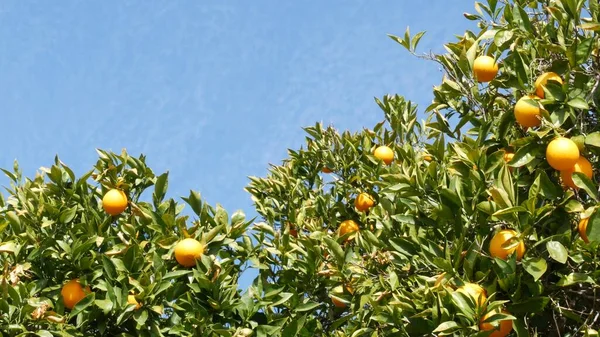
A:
<point x="582" y="228"/>
<point x="114" y="202"/>
<point x="582" y="165"/>
<point x="326" y="170"/>
<point x="562" y="153"/>
<point x="336" y="292"/>
<point x="543" y="79"/>
<point x="385" y="154"/>
<point x="508" y="156"/>
<point x="502" y="330"/>
<point x="496" y="249"/>
<point x="72" y="292"/>
<point x="363" y="202"/>
<point x="187" y="251"/>
<point x="475" y="291"/>
<point x="427" y="157"/>
<point x="485" y="68"/>
<point x="528" y="114"/>
<point x="131" y="300"/>
<point x="347" y="226"/>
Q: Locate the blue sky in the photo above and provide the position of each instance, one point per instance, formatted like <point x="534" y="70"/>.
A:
<point x="210" y="91"/>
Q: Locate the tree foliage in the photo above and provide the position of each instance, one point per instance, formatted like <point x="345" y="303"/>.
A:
<point x="418" y="251"/>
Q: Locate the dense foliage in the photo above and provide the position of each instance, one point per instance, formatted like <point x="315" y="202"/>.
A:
<point x="452" y="226"/>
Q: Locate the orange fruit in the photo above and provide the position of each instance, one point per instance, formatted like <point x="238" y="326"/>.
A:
<point x="72" y="292"/>
<point x="326" y="170"/>
<point x="508" y="156"/>
<point x="384" y="153"/>
<point x="562" y="153"/>
<point x="348" y="226"/>
<point x="334" y="297"/>
<point x="527" y="113"/>
<point x="131" y="300"/>
<point x="582" y="228"/>
<point x="475" y="291"/>
<point x="496" y="249"/>
<point x="363" y="202"/>
<point x="543" y="79"/>
<point x="485" y="68"/>
<point x="187" y="251"/>
<point x="501" y="330"/>
<point x="114" y="202"/>
<point x="582" y="165"/>
<point x="428" y="157"/>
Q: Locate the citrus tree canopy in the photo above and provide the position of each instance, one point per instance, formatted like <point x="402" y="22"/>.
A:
<point x="480" y="220"/>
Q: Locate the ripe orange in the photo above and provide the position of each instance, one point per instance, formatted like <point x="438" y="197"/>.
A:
<point x="527" y="113"/>
<point x="131" y="300"/>
<point x="334" y="297"/>
<point x="326" y="169"/>
<point x="582" y="165"/>
<point x="582" y="227"/>
<point x="496" y="249"/>
<point x="562" y="153"/>
<point x="114" y="202"/>
<point x="363" y="202"/>
<point x="187" y="251"/>
<point x="543" y="79"/>
<point x="485" y="68"/>
<point x="348" y="226"/>
<point x="384" y="153"/>
<point x="502" y="330"/>
<point x="508" y="156"/>
<point x="72" y="292"/>
<point x="475" y="291"/>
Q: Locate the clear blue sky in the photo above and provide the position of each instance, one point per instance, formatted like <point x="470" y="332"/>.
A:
<point x="211" y="91"/>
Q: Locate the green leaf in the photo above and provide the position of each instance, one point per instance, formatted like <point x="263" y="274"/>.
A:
<point x="502" y="37"/>
<point x="578" y="103"/>
<point x="176" y="274"/>
<point x="521" y="18"/>
<point x="525" y="155"/>
<point x="529" y="306"/>
<point x="595" y="26"/>
<point x="415" y="40"/>
<point x="8" y="247"/>
<point x="83" y="304"/>
<point x="582" y="181"/>
<point x="447" y="327"/>
<point x="195" y="201"/>
<point x="593" y="139"/>
<point x="105" y="305"/>
<point x="593" y="227"/>
<point x="557" y="251"/>
<point x="510" y="210"/>
<point x="574" y="278"/>
<point x="536" y="267"/>
<point x="68" y="215"/>
<point x="160" y="188"/>
<point x="336" y="249"/>
<point x="309" y="306"/>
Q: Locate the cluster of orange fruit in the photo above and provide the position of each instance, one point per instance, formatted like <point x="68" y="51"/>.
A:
<point x="114" y="202"/>
<point x="363" y="202"/>
<point x="562" y="154"/>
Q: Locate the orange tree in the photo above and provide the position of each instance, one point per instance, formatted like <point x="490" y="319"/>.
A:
<point x="87" y="257"/>
<point x="484" y="217"/>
